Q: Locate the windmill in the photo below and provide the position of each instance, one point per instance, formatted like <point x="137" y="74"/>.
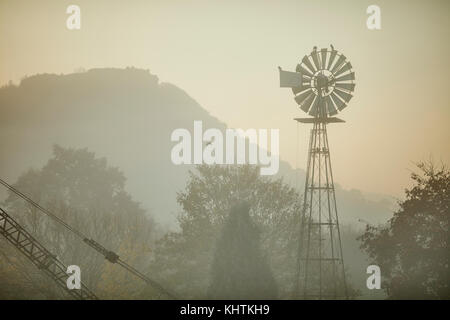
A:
<point x="322" y="84"/>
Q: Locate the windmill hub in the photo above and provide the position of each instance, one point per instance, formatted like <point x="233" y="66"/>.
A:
<point x="322" y="81"/>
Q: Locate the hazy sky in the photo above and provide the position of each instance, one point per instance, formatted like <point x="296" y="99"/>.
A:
<point x="225" y="55"/>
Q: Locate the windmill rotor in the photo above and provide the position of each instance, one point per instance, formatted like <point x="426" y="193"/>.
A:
<point x="323" y="82"/>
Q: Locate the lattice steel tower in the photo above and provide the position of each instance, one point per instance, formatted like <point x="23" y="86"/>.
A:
<point x="322" y="84"/>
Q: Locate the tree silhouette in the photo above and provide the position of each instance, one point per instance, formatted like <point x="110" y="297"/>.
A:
<point x="239" y="269"/>
<point x="183" y="258"/>
<point x="412" y="250"/>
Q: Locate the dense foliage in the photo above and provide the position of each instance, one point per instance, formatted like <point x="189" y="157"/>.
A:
<point x="412" y="250"/>
<point x="184" y="258"/>
<point x="239" y="269"/>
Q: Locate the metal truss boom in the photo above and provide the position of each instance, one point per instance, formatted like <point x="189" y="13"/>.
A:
<point x="40" y="256"/>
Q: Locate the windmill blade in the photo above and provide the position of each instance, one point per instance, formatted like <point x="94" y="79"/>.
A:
<point x="332" y="57"/>
<point x="307" y="102"/>
<point x="303" y="70"/>
<point x="350" y="76"/>
<point x="302" y="96"/>
<point x="315" y="107"/>
<point x="333" y="113"/>
<point x="344" y="95"/>
<point x="330" y="108"/>
<point x="338" y="64"/>
<point x="290" y="79"/>
<point x="315" y="57"/>
<point x="338" y="102"/>
<point x="345" y="68"/>
<point x="306" y="79"/>
<point x="323" y="53"/>
<point x="342" y="106"/>
<point x="307" y="63"/>
<point x="346" y="86"/>
<point x="299" y="89"/>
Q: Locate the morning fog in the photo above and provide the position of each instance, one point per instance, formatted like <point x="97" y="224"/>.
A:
<point x="237" y="146"/>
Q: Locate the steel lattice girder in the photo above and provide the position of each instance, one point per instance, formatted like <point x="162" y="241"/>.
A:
<point x="40" y="256"/>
